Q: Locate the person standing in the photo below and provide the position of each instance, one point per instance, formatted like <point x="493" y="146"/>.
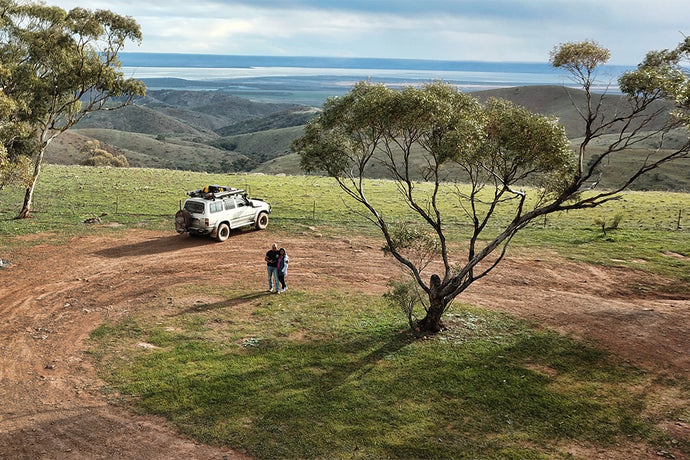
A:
<point x="283" y="260"/>
<point x="272" y="268"/>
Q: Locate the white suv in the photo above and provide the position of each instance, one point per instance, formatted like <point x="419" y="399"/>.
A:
<point x="216" y="209"/>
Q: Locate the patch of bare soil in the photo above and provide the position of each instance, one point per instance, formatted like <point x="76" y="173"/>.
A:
<point x="52" y="297"/>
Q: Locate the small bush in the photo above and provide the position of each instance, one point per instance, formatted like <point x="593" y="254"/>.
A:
<point x="97" y="155"/>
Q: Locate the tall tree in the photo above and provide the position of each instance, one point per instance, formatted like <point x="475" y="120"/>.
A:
<point x="59" y="66"/>
<point x="11" y="170"/>
<point x="499" y="147"/>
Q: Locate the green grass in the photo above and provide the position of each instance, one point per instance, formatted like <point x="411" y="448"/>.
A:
<point x="335" y="375"/>
<point x="133" y="197"/>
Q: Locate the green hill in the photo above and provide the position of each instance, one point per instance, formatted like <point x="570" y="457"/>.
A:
<point x="218" y="104"/>
<point x="138" y="119"/>
<point x="284" y="119"/>
<point x="149" y="151"/>
<point x="215" y="131"/>
<point x="261" y="147"/>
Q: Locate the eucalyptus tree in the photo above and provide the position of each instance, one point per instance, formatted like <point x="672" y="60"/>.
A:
<point x="499" y="148"/>
<point x="12" y="170"/>
<point x="58" y="66"/>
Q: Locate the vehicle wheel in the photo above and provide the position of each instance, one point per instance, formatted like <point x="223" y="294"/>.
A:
<point x="262" y="221"/>
<point x="182" y="220"/>
<point x="223" y="232"/>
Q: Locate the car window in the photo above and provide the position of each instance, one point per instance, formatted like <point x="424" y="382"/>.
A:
<point x="241" y="201"/>
<point x="229" y="203"/>
<point x="194" y="207"/>
<point x="216" y="206"/>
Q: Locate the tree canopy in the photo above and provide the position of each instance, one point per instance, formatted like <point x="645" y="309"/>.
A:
<point x="55" y="68"/>
<point x="500" y="148"/>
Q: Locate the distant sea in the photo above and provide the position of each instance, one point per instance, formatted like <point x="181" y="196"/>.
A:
<point x="310" y="80"/>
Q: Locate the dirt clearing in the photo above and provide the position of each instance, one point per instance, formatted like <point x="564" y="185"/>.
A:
<point x="52" y="297"/>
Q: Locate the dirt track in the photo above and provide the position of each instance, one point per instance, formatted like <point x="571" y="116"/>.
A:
<point x="52" y="297"/>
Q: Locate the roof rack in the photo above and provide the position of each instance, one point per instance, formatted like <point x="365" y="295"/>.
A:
<point x="215" y="191"/>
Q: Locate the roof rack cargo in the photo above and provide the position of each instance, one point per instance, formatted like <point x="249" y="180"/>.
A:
<point x="215" y="191"/>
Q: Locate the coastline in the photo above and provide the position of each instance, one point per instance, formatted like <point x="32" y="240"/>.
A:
<point x="310" y="80"/>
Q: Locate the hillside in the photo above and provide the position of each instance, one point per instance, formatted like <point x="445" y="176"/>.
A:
<point x="262" y="145"/>
<point x="149" y="151"/>
<point x="560" y="102"/>
<point x="231" y="109"/>
<point x="139" y="119"/>
<point x="215" y="131"/>
<point x="284" y="119"/>
<point x="183" y="112"/>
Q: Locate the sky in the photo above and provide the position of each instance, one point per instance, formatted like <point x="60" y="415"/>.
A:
<point x="475" y="30"/>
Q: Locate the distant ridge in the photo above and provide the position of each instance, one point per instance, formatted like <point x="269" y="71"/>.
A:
<point x="215" y="131"/>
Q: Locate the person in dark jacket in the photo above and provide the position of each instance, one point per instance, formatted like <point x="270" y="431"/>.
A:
<point x="272" y="268"/>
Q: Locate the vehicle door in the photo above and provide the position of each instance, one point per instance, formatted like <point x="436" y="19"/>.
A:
<point x="243" y="211"/>
<point x="230" y="211"/>
<point x="215" y="213"/>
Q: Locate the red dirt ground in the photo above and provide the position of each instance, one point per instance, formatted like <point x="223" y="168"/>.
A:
<point x="52" y="297"/>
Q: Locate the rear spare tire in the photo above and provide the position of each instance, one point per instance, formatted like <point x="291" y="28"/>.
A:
<point x="182" y="218"/>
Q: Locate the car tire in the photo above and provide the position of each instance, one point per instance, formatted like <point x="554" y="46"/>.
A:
<point x="182" y="219"/>
<point x="261" y="221"/>
<point x="223" y="232"/>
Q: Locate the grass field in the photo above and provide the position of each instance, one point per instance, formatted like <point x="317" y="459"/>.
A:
<point x="651" y="223"/>
<point x="301" y="378"/>
<point x="337" y="375"/>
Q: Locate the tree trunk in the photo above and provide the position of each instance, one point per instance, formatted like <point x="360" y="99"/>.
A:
<point x="437" y="306"/>
<point x="432" y="321"/>
<point x="29" y="196"/>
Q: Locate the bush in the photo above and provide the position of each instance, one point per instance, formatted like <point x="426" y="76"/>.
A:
<point x="97" y="155"/>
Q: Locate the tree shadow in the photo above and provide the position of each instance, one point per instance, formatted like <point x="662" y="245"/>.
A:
<point x="229" y="303"/>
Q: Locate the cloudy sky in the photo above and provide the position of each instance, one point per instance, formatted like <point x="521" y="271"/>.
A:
<point x="483" y="30"/>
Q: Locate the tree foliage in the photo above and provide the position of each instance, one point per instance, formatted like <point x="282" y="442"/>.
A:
<point x="56" y="67"/>
<point x="500" y="148"/>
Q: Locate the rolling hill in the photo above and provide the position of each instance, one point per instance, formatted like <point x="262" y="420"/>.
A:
<point x="218" y="132"/>
<point x="558" y="101"/>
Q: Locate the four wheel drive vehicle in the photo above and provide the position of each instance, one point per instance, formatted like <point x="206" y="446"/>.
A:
<point x="215" y="209"/>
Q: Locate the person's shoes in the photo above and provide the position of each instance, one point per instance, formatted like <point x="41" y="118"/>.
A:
<point x="284" y="289"/>
<point x="271" y="290"/>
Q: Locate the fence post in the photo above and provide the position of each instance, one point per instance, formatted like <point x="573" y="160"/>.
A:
<point x="680" y="214"/>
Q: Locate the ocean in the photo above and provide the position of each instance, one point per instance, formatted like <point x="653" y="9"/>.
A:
<point x="310" y="80"/>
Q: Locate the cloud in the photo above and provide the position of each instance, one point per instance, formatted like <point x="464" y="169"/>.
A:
<point x="496" y="30"/>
